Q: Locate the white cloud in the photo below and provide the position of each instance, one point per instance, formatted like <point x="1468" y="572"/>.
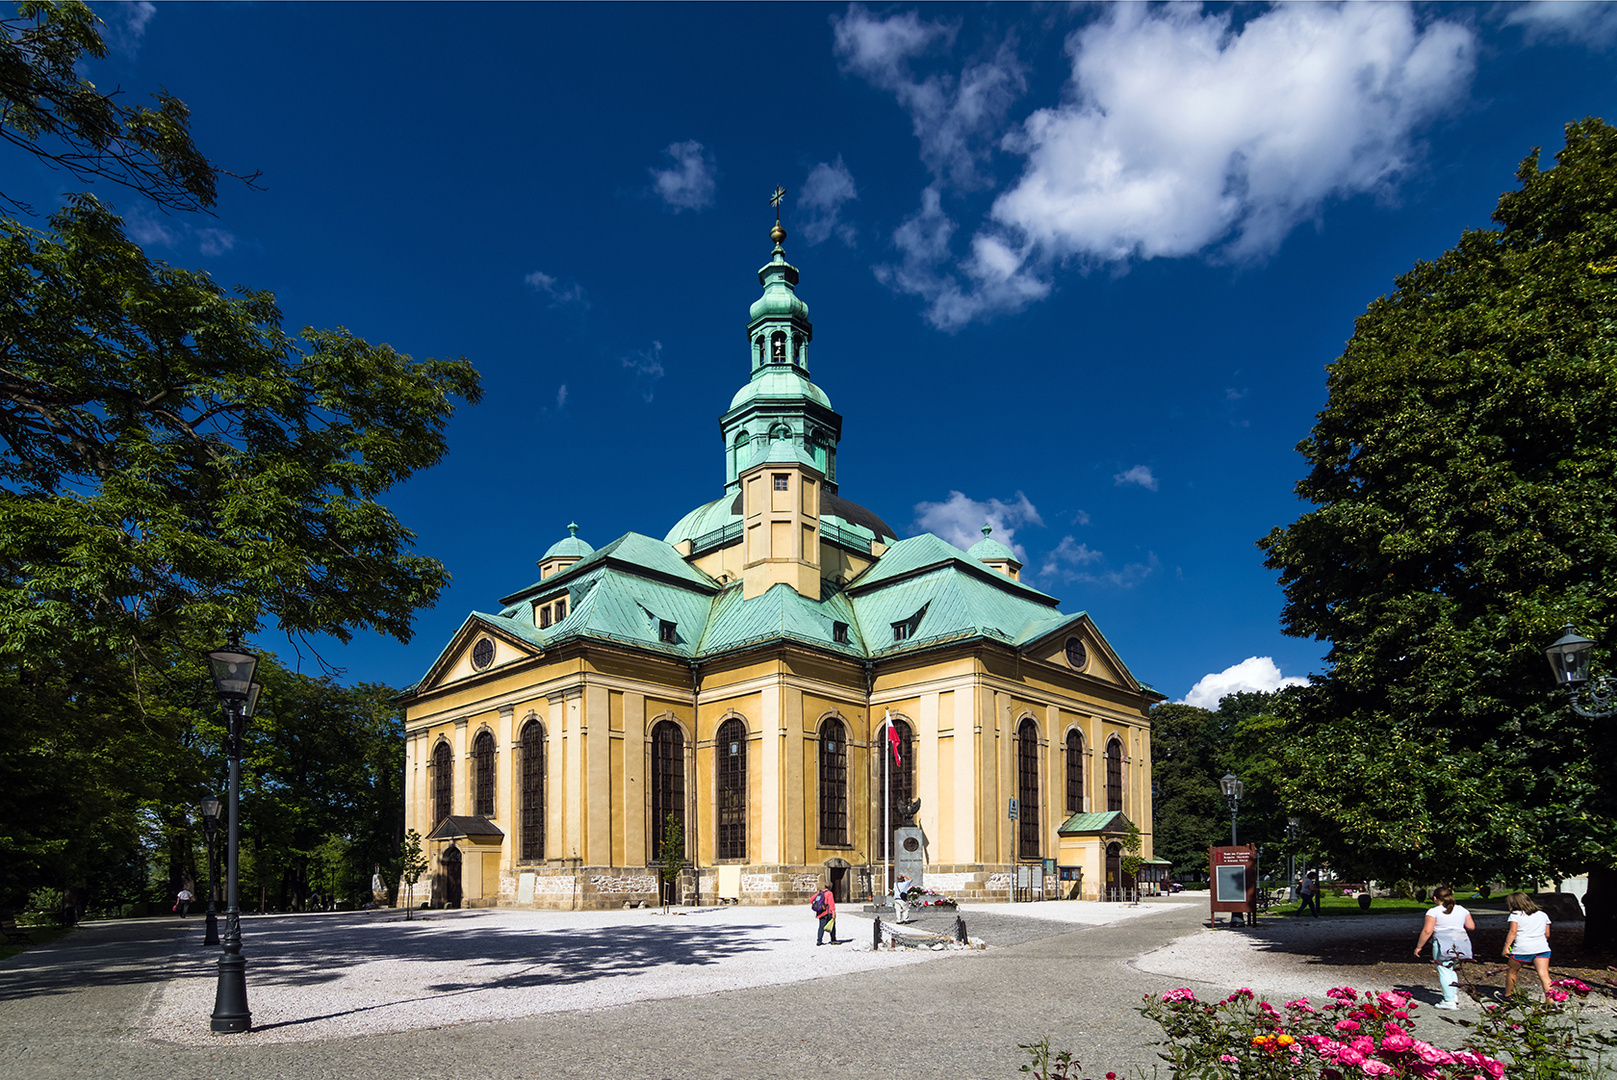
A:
<point x="1253" y="673"/>
<point x="956" y="117"/>
<point x="560" y="295"/>
<point x="828" y="187"/>
<point x="1065" y="563"/>
<point x="1139" y="474"/>
<point x="1179" y="135"/>
<point x="647" y="367"/>
<point x="960" y="520"/>
<point x="148" y="231"/>
<point x="215" y="241"/>
<point x="1587" y="22"/>
<point x="126" y="24"/>
<point x="561" y="397"/>
<point x="690" y="182"/>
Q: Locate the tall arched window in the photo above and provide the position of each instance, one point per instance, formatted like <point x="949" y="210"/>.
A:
<point x="483" y="771"/>
<point x="1075" y="772"/>
<point x="902" y="773"/>
<point x="731" y="748"/>
<point x="533" y="790"/>
<point x="1027" y="788"/>
<point x="833" y="784"/>
<point x="443" y="783"/>
<point x="667" y="780"/>
<point x="1114" y="775"/>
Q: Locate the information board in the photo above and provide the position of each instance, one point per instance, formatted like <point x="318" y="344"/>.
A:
<point x="1234" y="875"/>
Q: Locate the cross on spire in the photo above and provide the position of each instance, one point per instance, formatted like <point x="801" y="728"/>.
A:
<point x="777" y="234"/>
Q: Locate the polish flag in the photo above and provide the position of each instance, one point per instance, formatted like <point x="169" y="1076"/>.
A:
<point x="892" y="740"/>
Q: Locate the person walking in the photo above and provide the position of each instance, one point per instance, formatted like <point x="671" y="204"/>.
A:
<point x="182" y="902"/>
<point x="1527" y="941"/>
<point x="1310" y="893"/>
<point x="824" y="905"/>
<point x="901" y="903"/>
<point x="1448" y="927"/>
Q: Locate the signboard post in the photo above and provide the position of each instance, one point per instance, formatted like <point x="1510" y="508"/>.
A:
<point x="1233" y="872"/>
<point x="1013" y="811"/>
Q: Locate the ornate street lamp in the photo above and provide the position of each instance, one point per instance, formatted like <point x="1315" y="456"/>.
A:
<point x="210" y="822"/>
<point x="1569" y="662"/>
<point x="233" y="669"/>
<point x="1294" y="828"/>
<point x="1232" y="786"/>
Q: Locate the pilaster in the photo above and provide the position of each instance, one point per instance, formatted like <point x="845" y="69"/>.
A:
<point x="461" y="797"/>
<point x="597" y="732"/>
<point x="769" y="818"/>
<point x="636" y="848"/>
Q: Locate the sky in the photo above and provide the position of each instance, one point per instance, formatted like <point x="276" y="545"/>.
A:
<point x="1074" y="271"/>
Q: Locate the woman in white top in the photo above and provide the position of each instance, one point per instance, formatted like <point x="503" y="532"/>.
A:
<point x="1447" y="928"/>
<point x="1527" y="941"/>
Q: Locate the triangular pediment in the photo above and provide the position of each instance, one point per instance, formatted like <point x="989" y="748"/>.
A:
<point x="480" y="647"/>
<point x="1078" y="648"/>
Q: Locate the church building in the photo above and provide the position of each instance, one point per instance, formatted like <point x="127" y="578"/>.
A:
<point x="736" y="679"/>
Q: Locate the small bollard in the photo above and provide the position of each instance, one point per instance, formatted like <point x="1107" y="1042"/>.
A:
<point x="960" y="929"/>
<point x="875" y="934"/>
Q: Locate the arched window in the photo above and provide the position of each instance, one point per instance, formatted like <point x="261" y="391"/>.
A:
<point x="731" y="748"/>
<point x="443" y="783"/>
<point x="901" y="774"/>
<point x="483" y="771"/>
<point x="1114" y="775"/>
<point x="1027" y="788"/>
<point x="1075" y="772"/>
<point x="667" y="781"/>
<point x="777" y="348"/>
<point x="533" y="790"/>
<point x="833" y="784"/>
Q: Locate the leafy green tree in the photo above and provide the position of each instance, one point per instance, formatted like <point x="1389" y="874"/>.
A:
<point x="1461" y="474"/>
<point x="1184" y="809"/>
<point x="412" y="864"/>
<point x="48" y="109"/>
<point x="671" y="854"/>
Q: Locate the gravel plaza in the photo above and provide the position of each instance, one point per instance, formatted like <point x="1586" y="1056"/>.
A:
<point x="710" y="993"/>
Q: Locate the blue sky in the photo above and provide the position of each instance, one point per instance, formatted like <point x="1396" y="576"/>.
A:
<point x="1075" y="270"/>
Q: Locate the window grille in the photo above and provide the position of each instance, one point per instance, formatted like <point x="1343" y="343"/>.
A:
<point x="443" y="783"/>
<point x="781" y="481"/>
<point x="561" y="610"/>
<point x="1075" y="772"/>
<point x="544" y="616"/>
<point x="731" y="747"/>
<point x="1114" y="775"/>
<point x="533" y="791"/>
<point x="1027" y="788"/>
<point x="833" y="784"/>
<point x="667" y="780"/>
<point x="901" y="631"/>
<point x="483" y="770"/>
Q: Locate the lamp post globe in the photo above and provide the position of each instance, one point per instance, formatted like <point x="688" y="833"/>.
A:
<point x="1232" y="787"/>
<point x="210" y="821"/>
<point x="1569" y="664"/>
<point x="232" y="668"/>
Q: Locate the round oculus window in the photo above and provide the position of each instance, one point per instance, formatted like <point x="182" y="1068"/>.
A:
<point x="1077" y="655"/>
<point x="482" y="654"/>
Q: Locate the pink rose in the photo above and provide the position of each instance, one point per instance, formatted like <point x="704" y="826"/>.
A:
<point x="1432" y="1055"/>
<point x="1396" y="1040"/>
<point x="1373" y="1067"/>
<point x="1231" y="1058"/>
<point x="1556" y="996"/>
<point x="1181" y="994"/>
<point x="1347" y="1025"/>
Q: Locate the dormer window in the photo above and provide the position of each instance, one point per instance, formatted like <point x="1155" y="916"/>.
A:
<point x="839" y="633"/>
<point x="561" y="610"/>
<point x="901" y="631"/>
<point x="777" y="348"/>
<point x="544" y="616"/>
<point x="665" y="632"/>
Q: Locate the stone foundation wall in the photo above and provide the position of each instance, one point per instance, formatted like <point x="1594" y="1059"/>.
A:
<point x="582" y="888"/>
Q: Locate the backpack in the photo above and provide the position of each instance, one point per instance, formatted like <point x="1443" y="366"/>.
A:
<point x="818" y="903"/>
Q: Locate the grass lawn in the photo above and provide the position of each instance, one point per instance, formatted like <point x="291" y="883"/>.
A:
<point x="1349" y="905"/>
<point x="41" y="935"/>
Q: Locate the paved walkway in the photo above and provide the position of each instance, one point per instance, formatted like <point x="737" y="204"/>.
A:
<point x="740" y="992"/>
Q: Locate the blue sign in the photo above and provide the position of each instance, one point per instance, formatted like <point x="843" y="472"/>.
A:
<point x="1015" y="810"/>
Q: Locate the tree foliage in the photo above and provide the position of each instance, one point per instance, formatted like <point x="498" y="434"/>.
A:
<point x="1461" y="473"/>
<point x="51" y="111"/>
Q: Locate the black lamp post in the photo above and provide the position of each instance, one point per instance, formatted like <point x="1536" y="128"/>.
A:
<point x="233" y="669"/>
<point x="1232" y="794"/>
<point x="1294" y="826"/>
<point x="210" y="822"/>
<point x="1569" y="661"/>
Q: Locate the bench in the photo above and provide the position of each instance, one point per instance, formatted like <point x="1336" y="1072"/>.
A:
<point x="14" y="933"/>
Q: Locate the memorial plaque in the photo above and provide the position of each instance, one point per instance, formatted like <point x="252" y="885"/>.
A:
<point x="909" y="855"/>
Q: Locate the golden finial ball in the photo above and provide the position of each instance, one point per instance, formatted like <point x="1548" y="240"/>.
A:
<point x="777" y="234"/>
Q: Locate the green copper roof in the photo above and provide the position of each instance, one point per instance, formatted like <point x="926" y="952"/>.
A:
<point x="1111" y="821"/>
<point x="569" y="546"/>
<point x="781" y="382"/>
<point x="782" y="613"/>
<point x="988" y="549"/>
<point x="779" y="279"/>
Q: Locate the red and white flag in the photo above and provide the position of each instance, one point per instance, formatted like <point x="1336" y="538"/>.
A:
<point x="892" y="740"/>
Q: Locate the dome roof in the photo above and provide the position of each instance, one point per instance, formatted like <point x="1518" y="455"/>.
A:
<point x="569" y="547"/>
<point x="990" y="550"/>
<point x="779" y="381"/>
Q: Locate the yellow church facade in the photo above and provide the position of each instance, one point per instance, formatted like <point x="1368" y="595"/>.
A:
<point x="735" y="678"/>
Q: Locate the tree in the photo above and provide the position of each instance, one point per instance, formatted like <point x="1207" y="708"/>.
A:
<point x="48" y="109"/>
<point x="671" y="853"/>
<point x="1461" y="472"/>
<point x="411" y="866"/>
<point x="1185" y="806"/>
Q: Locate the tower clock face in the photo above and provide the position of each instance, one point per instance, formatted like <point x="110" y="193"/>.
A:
<point x="1077" y="655"/>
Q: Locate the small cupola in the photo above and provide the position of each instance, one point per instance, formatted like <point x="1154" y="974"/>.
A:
<point x="564" y="553"/>
<point x="991" y="552"/>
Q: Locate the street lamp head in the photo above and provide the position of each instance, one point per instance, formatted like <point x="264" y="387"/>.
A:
<point x="233" y="669"/>
<point x="1569" y="659"/>
<point x="210" y="808"/>
<point x="1232" y="787"/>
